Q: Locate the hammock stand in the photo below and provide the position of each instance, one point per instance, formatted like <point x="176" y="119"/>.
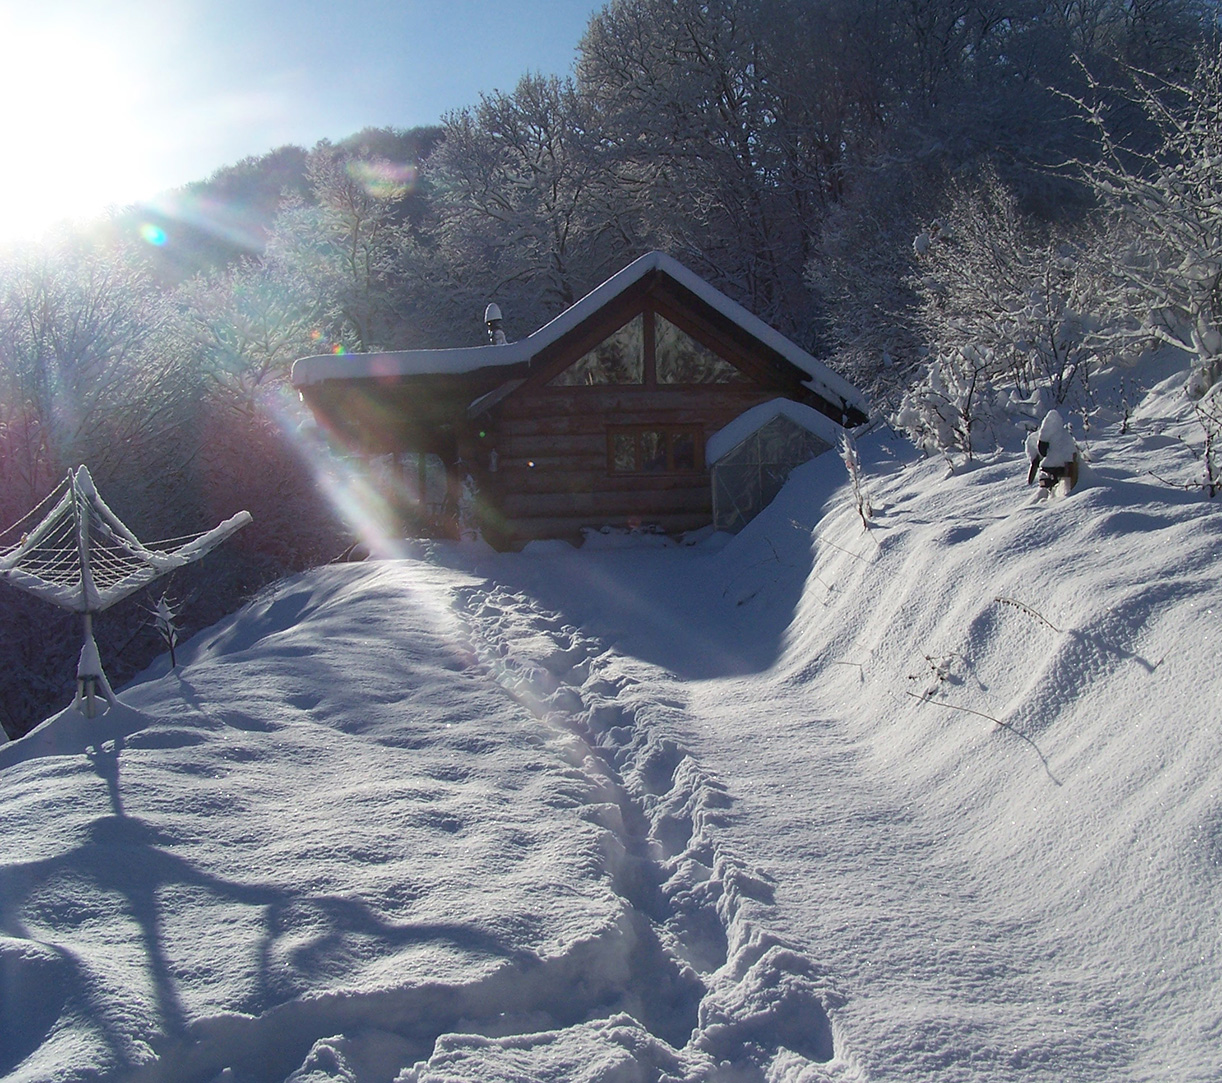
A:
<point x="82" y="558"/>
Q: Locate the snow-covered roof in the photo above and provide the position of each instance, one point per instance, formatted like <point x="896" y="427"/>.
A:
<point x="313" y="370"/>
<point x="356" y="366"/>
<point x="725" y="440"/>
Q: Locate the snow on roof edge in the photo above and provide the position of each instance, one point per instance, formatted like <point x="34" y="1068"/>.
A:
<point x="822" y="379"/>
<point x="312" y="370"/>
<point x="725" y="439"/>
<point x="356" y="366"/>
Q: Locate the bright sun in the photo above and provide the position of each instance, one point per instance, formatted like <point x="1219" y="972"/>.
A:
<point x="70" y="123"/>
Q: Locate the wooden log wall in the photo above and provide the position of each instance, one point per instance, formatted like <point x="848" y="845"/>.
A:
<point x="553" y="475"/>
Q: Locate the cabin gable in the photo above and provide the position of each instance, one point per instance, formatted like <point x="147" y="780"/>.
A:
<point x="609" y="428"/>
<point x="668" y="320"/>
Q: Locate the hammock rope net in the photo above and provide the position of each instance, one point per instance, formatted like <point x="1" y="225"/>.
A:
<point x="80" y="556"/>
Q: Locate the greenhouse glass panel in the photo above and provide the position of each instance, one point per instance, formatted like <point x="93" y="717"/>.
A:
<point x="749" y="477"/>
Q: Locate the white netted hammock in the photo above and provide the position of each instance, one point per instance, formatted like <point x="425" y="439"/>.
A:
<point x="81" y="557"/>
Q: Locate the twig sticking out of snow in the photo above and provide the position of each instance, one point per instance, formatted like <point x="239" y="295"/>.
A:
<point x="941" y="668"/>
<point x="165" y="620"/>
<point x="999" y="722"/>
<point x="852" y="463"/>
<point x="1024" y="608"/>
<point x="855" y="556"/>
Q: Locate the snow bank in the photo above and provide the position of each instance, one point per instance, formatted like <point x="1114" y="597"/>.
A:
<point x="934" y="801"/>
<point x="326" y="819"/>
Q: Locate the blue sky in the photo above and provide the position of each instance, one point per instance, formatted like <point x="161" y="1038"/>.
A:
<point x="113" y="102"/>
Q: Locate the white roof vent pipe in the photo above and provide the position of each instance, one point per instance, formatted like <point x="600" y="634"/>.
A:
<point x="492" y="317"/>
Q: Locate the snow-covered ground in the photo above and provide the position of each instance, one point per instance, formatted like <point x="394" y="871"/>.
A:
<point x="937" y="801"/>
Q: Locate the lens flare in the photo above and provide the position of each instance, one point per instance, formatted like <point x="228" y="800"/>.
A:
<point x="348" y="486"/>
<point x="153" y="235"/>
<point x="232" y="221"/>
<point x="372" y="506"/>
<point x="383" y="179"/>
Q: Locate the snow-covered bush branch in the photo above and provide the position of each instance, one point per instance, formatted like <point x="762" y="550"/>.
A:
<point x="1166" y="214"/>
<point x="957" y="405"/>
<point x="1007" y="309"/>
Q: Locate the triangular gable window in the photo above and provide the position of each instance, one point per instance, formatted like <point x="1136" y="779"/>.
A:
<point x="680" y="359"/>
<point x="618" y="359"/>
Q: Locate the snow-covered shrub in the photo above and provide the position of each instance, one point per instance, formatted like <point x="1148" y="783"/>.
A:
<point x="1025" y="291"/>
<point x="1166" y="214"/>
<point x="1008" y="312"/>
<point x="958" y="406"/>
<point x="1053" y="455"/>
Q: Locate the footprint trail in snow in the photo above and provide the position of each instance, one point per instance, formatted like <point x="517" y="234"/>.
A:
<point x="702" y="974"/>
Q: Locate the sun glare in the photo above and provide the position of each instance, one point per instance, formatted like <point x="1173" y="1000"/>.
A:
<point x="70" y="123"/>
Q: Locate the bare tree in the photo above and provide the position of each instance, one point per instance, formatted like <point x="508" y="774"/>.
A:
<point x="91" y="369"/>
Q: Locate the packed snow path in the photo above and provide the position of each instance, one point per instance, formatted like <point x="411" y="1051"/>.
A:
<point x="759" y="1004"/>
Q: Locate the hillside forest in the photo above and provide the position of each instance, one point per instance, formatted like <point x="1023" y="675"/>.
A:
<point x="967" y="208"/>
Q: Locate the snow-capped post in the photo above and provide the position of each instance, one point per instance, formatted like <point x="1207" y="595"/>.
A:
<point x="90" y="677"/>
<point x="1053" y="455"/>
<point x="81" y="557"/>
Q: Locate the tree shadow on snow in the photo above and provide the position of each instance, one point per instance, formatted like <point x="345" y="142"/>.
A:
<point x="125" y="866"/>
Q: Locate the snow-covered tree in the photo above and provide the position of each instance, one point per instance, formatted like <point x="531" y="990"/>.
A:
<point x="1166" y="207"/>
<point x="991" y="279"/>
<point x="92" y="369"/>
<point x="728" y="123"/>
<point x="251" y="322"/>
<point x="521" y="205"/>
<point x="967" y="86"/>
<point x="349" y="244"/>
<point x="863" y="271"/>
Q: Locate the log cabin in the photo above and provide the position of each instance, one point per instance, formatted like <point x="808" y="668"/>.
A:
<point x="600" y="418"/>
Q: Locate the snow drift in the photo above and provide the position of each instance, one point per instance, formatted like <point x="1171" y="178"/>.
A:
<point x="939" y="800"/>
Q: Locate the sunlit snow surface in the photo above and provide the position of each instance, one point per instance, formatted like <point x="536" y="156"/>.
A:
<point x="739" y="811"/>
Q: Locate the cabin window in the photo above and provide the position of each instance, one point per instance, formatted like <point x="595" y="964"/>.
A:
<point x="652" y="449"/>
<point x="618" y="359"/>
<point x="680" y="359"/>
